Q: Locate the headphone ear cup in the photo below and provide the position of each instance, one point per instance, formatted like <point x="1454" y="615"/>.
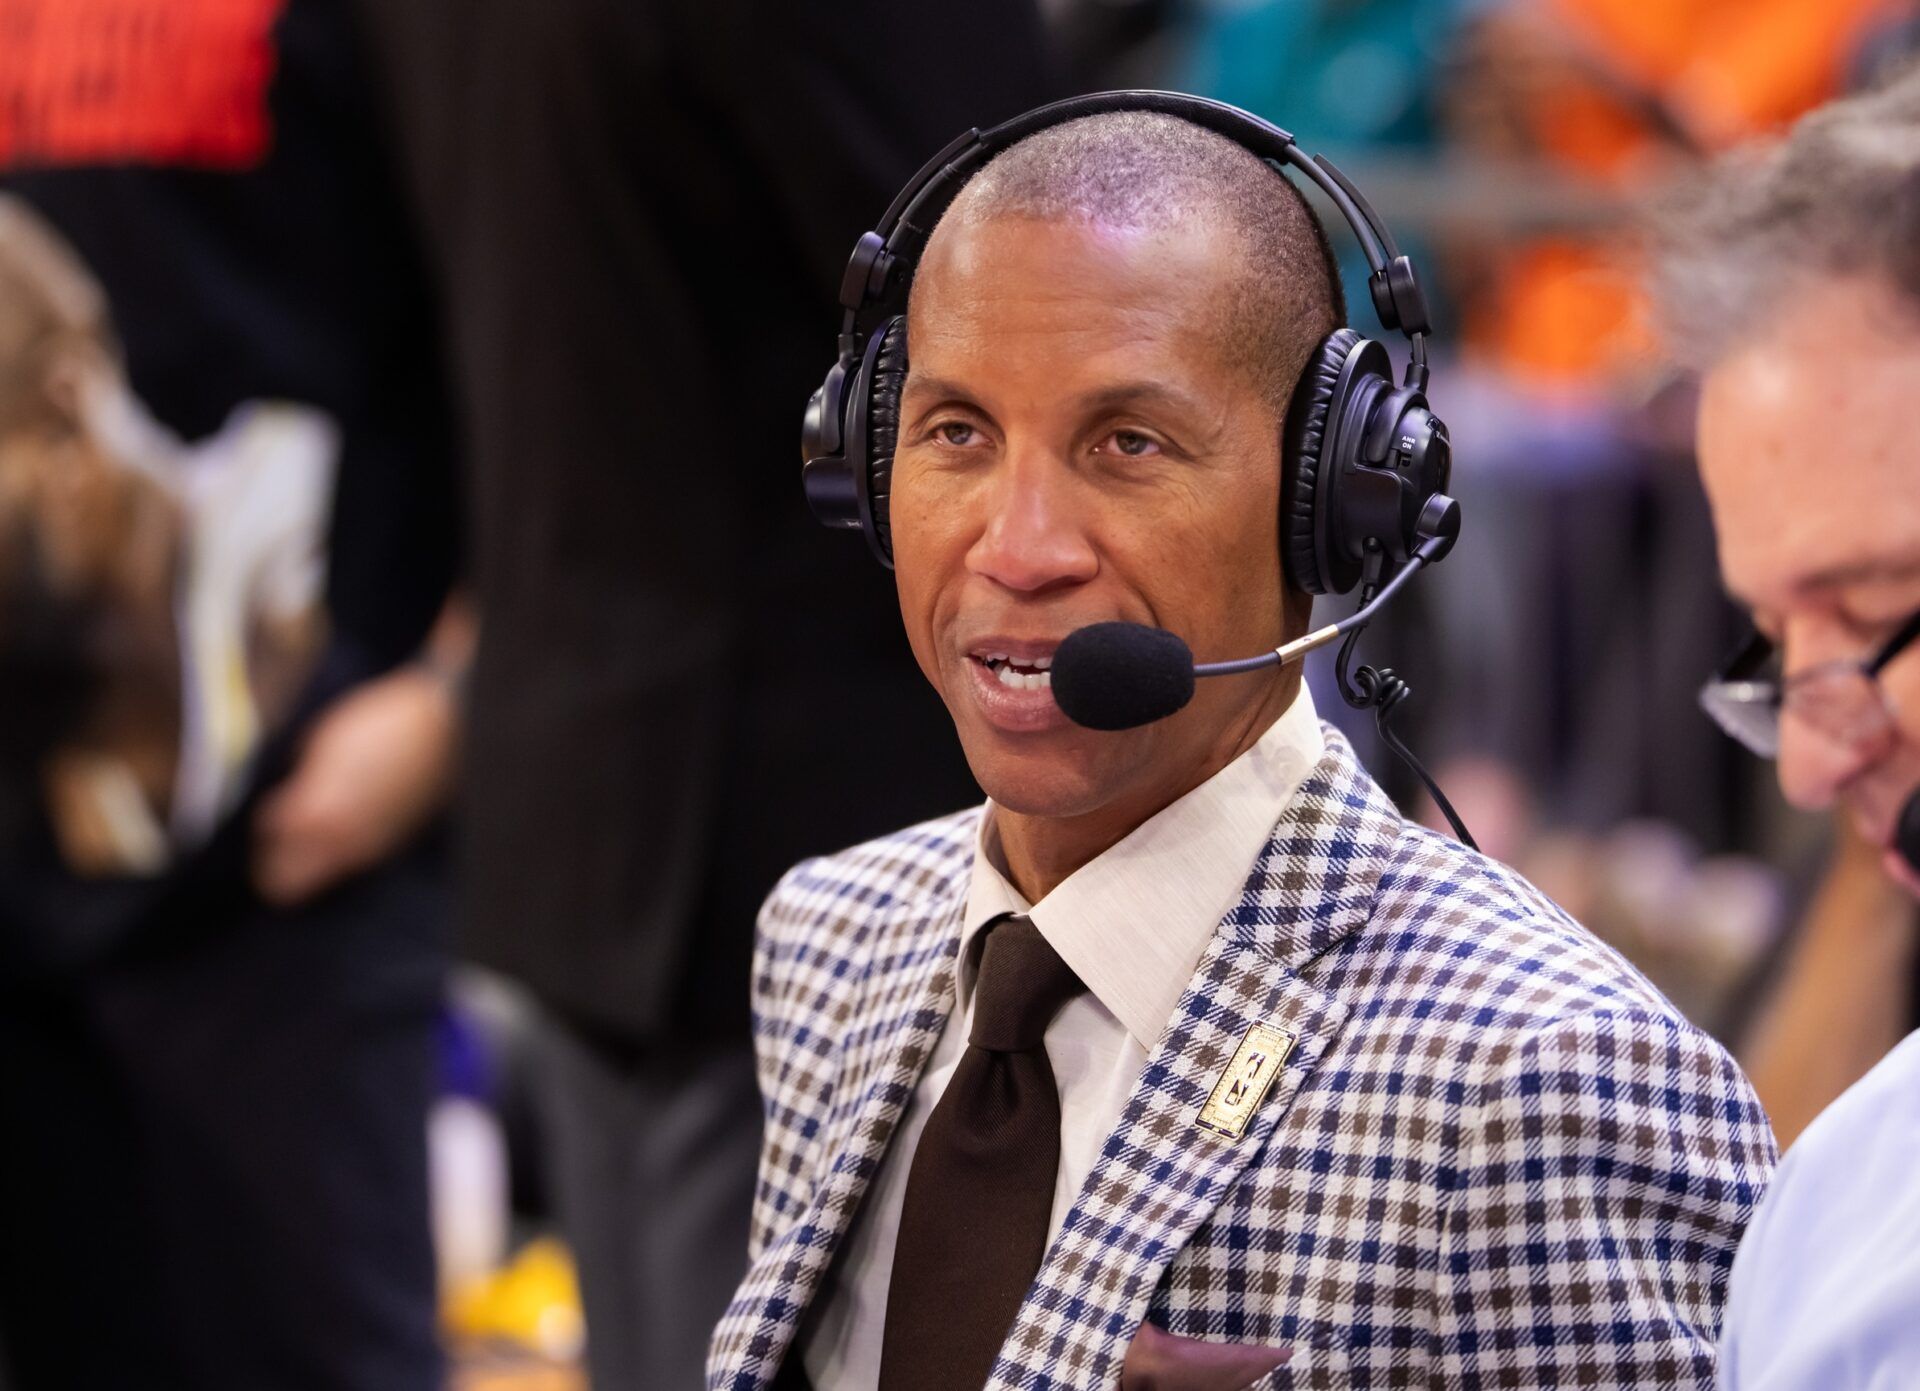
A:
<point x="883" y="428"/>
<point x="1306" y="433"/>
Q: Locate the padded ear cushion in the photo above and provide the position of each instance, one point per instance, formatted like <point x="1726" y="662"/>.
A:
<point x="883" y="426"/>
<point x="1306" y="432"/>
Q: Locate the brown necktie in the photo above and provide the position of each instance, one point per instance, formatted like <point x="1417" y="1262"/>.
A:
<point x="974" y="1225"/>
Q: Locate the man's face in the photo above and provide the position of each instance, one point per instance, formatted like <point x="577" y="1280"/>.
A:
<point x="1074" y="448"/>
<point x="1810" y="464"/>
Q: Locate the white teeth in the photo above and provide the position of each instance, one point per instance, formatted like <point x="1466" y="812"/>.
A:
<point x="1019" y="674"/>
<point x="1023" y="680"/>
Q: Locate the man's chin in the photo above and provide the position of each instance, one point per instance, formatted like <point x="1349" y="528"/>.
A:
<point x="1055" y="778"/>
<point x="1877" y="810"/>
<point x="1897" y="869"/>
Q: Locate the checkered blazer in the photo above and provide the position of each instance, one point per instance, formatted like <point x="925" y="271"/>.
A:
<point x="1496" y="1156"/>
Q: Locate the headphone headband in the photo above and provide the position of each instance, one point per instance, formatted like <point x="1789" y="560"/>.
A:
<point x="874" y="275"/>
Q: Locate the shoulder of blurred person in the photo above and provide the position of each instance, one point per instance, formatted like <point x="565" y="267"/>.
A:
<point x="1789" y="283"/>
<point x="1826" y="1288"/>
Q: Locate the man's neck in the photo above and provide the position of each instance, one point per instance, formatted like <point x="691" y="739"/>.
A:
<point x="1041" y="852"/>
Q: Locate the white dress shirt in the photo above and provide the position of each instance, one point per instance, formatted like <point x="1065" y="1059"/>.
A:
<point x="1825" y="1294"/>
<point x="1133" y="924"/>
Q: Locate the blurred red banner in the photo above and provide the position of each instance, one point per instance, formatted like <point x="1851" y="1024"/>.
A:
<point x="173" y="82"/>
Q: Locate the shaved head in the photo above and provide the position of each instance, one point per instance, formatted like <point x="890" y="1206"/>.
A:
<point x="1104" y="333"/>
<point x="1143" y="171"/>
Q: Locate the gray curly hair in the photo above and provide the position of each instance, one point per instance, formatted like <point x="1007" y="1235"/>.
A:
<point x="1839" y="195"/>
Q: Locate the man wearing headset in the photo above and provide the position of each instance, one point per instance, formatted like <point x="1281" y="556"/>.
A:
<point x="1794" y="282"/>
<point x="1187" y="1062"/>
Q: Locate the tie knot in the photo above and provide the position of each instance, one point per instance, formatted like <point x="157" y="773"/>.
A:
<point x="1023" y="983"/>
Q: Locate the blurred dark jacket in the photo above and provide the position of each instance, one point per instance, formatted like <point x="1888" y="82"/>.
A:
<point x="642" y="212"/>
<point x="288" y="272"/>
<point x="214" y="1170"/>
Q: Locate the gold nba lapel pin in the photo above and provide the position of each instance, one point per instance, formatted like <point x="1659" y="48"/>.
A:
<point x="1245" y="1082"/>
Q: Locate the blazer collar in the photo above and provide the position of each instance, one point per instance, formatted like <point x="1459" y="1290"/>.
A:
<point x="1314" y="881"/>
<point x="1134" y="921"/>
<point x="901" y="1005"/>
<point x="1161" y="1175"/>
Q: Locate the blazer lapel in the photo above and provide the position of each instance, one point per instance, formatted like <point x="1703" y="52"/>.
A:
<point x="1161" y="1174"/>
<point x="906" y="996"/>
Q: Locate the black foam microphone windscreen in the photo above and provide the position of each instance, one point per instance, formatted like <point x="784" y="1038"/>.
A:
<point x="1906" y="834"/>
<point x="1119" y="675"/>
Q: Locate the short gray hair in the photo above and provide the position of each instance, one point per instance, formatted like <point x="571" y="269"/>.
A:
<point x="1838" y="196"/>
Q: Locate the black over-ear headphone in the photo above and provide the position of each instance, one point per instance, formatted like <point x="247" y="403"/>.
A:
<point x="1366" y="456"/>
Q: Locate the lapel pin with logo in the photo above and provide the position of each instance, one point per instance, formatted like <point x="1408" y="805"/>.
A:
<point x="1245" y="1082"/>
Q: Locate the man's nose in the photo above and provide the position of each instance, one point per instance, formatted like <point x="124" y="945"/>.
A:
<point x="1816" y="767"/>
<point x="1034" y="537"/>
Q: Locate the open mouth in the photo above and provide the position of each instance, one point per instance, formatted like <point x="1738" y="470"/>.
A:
<point x="1018" y="674"/>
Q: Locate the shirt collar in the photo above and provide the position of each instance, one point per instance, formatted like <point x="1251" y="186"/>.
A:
<point x="1134" y="921"/>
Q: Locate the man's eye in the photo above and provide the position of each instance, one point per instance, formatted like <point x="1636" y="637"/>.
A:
<point x="1873" y="628"/>
<point x="1132" y="444"/>
<point x="955" y="432"/>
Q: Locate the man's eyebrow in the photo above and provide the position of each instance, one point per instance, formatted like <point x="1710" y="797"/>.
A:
<point x="1110" y="397"/>
<point x="1874" y="570"/>
<point x="1113" y="394"/>
<point x="940" y="388"/>
<point x="1141" y="393"/>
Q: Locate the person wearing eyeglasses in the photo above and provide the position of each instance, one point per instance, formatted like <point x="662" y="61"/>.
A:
<point x="1792" y="279"/>
<point x="1847" y="988"/>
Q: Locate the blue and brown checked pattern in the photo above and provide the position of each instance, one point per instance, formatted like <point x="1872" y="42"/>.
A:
<point x="1496" y="1157"/>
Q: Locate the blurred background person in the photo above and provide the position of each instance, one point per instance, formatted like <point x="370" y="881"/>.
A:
<point x="637" y="214"/>
<point x="1614" y="103"/>
<point x="1793" y="283"/>
<point x="227" y="520"/>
